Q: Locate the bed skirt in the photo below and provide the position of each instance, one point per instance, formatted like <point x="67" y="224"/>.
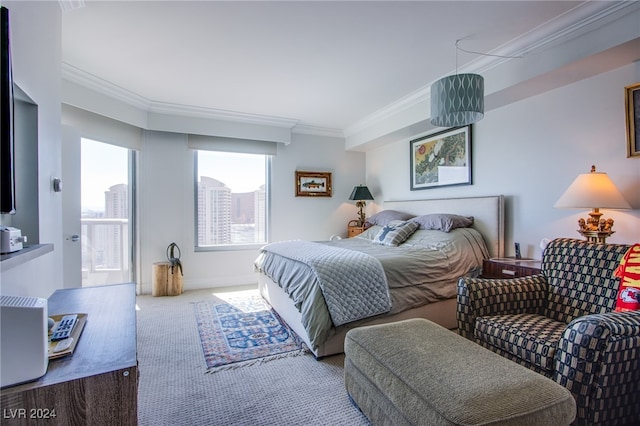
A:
<point x="443" y="313"/>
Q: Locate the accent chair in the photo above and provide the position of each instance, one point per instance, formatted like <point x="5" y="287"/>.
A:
<point x="562" y="324"/>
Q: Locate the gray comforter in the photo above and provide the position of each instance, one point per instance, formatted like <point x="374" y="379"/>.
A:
<point x="353" y="283"/>
<point x="422" y="270"/>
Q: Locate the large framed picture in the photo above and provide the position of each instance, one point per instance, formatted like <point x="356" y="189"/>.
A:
<point x="632" y="101"/>
<point x="313" y="184"/>
<point x="441" y="159"/>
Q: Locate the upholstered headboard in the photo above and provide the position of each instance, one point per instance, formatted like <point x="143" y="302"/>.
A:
<point x="488" y="214"/>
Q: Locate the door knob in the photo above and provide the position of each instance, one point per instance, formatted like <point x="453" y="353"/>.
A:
<point x="74" y="238"/>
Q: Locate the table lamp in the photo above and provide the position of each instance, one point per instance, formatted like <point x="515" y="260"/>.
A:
<point x="361" y="193"/>
<point x="593" y="190"/>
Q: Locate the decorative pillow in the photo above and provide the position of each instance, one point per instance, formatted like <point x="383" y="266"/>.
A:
<point x="629" y="273"/>
<point x="395" y="233"/>
<point x="385" y="216"/>
<point x="443" y="221"/>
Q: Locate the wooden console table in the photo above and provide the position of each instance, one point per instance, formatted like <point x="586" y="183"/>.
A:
<point x="98" y="384"/>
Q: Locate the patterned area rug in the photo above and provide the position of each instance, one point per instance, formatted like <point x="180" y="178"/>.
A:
<point x="243" y="331"/>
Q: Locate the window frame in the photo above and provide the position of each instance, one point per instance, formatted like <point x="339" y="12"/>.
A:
<point x="238" y="246"/>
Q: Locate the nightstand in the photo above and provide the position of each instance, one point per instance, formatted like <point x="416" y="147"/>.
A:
<point x="353" y="229"/>
<point x="510" y="267"/>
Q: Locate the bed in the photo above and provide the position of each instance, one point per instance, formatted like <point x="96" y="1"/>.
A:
<point x="424" y="286"/>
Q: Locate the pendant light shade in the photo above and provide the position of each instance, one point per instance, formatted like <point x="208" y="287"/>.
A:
<point x="457" y="100"/>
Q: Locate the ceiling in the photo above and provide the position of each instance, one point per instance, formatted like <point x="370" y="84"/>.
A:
<point x="322" y="64"/>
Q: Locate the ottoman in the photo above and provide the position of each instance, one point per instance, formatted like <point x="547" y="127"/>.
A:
<point x="415" y="372"/>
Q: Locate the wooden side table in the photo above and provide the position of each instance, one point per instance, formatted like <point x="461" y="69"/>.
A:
<point x="167" y="281"/>
<point x="353" y="229"/>
<point x="510" y="267"/>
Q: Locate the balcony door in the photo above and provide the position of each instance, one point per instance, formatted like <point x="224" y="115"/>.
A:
<point x="106" y="213"/>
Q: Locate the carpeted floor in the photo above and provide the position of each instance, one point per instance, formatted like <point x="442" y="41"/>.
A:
<point x="174" y="388"/>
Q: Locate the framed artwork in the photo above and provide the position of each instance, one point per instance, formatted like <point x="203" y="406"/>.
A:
<point x="441" y="159"/>
<point x="313" y="184"/>
<point x="632" y="101"/>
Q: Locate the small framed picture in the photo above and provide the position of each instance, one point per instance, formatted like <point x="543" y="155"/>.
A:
<point x="632" y="101"/>
<point x="313" y="184"/>
<point x="441" y="159"/>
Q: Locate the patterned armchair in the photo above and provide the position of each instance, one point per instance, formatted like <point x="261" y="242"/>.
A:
<point x="562" y="325"/>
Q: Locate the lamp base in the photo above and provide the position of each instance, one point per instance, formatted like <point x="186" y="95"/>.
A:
<point x="595" y="229"/>
<point x="361" y="215"/>
<point x="596" y="236"/>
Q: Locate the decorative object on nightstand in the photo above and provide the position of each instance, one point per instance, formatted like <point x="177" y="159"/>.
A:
<point x="593" y="190"/>
<point x="361" y="194"/>
<point x="354" y="228"/>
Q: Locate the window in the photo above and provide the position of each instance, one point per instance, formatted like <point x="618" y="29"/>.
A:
<point x="231" y="198"/>
<point x="106" y="175"/>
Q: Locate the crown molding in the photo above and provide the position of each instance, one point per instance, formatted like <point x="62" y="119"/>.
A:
<point x="578" y="19"/>
<point x="217" y="114"/>
<point x="317" y="131"/>
<point x="99" y="85"/>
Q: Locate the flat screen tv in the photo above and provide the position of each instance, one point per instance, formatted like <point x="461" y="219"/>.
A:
<point x="7" y="173"/>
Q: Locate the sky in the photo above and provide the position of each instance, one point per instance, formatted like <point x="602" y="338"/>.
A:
<point x="240" y="172"/>
<point x="103" y="166"/>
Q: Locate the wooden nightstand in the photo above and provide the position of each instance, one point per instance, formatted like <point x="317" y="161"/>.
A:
<point x="353" y="229"/>
<point x="510" y="267"/>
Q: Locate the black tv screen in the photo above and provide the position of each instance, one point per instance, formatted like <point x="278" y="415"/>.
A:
<point x="7" y="173"/>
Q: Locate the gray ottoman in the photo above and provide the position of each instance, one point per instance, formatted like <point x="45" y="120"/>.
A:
<point x="416" y="372"/>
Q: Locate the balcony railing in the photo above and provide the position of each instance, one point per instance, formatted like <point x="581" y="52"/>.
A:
<point x="105" y="251"/>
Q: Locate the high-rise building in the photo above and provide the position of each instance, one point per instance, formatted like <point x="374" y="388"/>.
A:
<point x="242" y="208"/>
<point x="114" y="237"/>
<point x="116" y="201"/>
<point x="214" y="212"/>
<point x="260" y="210"/>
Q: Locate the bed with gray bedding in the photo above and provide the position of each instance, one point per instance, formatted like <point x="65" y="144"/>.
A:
<point x="322" y="289"/>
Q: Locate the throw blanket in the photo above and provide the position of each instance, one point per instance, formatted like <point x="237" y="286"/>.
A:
<point x="354" y="284"/>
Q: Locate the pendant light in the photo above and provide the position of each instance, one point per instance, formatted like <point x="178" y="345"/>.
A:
<point x="457" y="100"/>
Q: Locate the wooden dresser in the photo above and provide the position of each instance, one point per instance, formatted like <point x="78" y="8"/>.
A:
<point x="98" y="384"/>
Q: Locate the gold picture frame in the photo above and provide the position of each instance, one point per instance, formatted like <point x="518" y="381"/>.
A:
<point x="313" y="184"/>
<point x="632" y="113"/>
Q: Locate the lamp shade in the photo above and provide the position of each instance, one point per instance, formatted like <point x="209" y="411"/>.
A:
<point x="361" y="192"/>
<point x="592" y="190"/>
<point x="457" y="100"/>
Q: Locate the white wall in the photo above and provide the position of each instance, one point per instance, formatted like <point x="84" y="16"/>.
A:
<point x="36" y="56"/>
<point x="531" y="151"/>
<point x="166" y="205"/>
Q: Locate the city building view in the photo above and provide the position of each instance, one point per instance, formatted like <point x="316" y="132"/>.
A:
<point x="105" y="239"/>
<point x="225" y="217"/>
